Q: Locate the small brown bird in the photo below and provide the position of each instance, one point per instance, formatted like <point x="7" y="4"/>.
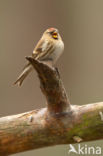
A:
<point x="48" y="50"/>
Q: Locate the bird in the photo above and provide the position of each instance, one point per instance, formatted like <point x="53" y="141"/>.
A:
<point x="48" y="49"/>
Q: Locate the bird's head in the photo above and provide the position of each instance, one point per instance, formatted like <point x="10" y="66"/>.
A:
<point x="53" y="33"/>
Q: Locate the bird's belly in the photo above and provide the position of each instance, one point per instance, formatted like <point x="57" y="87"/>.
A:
<point x="56" y="53"/>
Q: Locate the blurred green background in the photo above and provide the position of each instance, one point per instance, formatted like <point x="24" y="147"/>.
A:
<point x="80" y="23"/>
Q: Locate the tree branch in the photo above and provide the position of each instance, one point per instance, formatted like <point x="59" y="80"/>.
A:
<point x="51" y="86"/>
<point x="58" y="123"/>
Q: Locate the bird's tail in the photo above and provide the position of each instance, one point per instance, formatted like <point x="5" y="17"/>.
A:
<point x="26" y="70"/>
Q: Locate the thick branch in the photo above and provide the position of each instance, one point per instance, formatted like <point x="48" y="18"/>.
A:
<point x="59" y="123"/>
<point x="38" y="129"/>
<point x="51" y="86"/>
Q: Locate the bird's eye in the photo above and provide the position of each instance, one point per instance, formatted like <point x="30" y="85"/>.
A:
<point x="55" y="35"/>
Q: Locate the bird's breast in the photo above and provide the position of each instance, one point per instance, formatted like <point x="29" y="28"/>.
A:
<point x="59" y="47"/>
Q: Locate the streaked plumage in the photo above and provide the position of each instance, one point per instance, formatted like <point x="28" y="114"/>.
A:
<point x="48" y="49"/>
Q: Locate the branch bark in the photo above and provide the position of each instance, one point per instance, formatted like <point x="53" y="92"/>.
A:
<point x="58" y="123"/>
<point x="51" y="86"/>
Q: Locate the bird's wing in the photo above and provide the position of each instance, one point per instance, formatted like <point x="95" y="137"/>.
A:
<point x="43" y="48"/>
